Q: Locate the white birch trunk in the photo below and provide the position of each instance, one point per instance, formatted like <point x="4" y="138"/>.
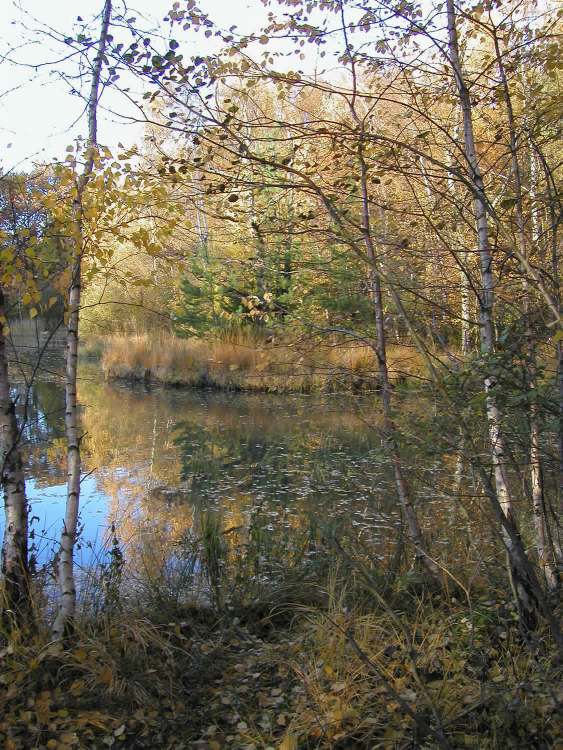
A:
<point x="545" y="555"/>
<point x="65" y="572"/>
<point x="465" y="289"/>
<point x="464" y="278"/>
<point x="520" y="578"/>
<point x="16" y="604"/>
<point x="559" y="359"/>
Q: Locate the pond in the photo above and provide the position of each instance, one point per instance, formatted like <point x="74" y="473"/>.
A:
<point x="157" y="460"/>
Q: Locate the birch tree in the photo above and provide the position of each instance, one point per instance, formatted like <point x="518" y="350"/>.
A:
<point x="65" y="566"/>
<point x="525" y="589"/>
<point x="544" y="546"/>
<point x="15" y="571"/>
<point x="23" y="222"/>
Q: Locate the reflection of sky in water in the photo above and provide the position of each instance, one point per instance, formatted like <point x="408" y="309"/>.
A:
<point x="161" y="458"/>
<point x="47" y="513"/>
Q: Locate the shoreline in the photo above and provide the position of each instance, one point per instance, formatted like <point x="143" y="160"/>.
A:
<point x="245" y="365"/>
<point x="206" y="382"/>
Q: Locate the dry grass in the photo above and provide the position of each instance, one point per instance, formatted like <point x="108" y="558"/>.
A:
<point x="290" y="670"/>
<point x="250" y="365"/>
<point x="389" y="679"/>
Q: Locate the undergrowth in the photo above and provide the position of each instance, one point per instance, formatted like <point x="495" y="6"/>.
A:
<point x="306" y="654"/>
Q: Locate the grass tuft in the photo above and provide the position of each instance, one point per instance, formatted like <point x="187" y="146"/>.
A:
<point x="247" y="363"/>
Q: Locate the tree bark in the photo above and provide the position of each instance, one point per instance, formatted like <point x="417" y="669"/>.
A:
<point x="545" y="554"/>
<point x="15" y="571"/>
<point x="380" y="346"/>
<point x="65" y="572"/>
<point x="525" y="595"/>
<point x="556" y="273"/>
<point x="464" y="277"/>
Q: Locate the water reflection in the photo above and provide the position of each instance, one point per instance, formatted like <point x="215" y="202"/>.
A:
<point x="155" y="461"/>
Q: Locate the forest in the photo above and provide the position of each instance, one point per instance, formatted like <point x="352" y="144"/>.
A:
<point x="281" y="381"/>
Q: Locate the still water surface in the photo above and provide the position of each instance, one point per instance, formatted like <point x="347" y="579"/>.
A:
<point x="154" y="460"/>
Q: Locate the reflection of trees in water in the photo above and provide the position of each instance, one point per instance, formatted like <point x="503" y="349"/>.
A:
<point x="279" y="466"/>
<point x="42" y="405"/>
<point x="127" y="445"/>
<point x="284" y="462"/>
<point x="164" y="452"/>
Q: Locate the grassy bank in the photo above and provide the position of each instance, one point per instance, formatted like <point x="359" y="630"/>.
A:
<point x="247" y="364"/>
<point x="318" y="651"/>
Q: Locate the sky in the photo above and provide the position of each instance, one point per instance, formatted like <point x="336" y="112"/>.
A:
<point x="38" y="116"/>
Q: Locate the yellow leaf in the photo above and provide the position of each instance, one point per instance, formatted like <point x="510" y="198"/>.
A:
<point x="42" y="705"/>
<point x="106" y="676"/>
<point x="34" y="312"/>
<point x="336" y="716"/>
<point x="289" y="742"/>
<point x="69" y="738"/>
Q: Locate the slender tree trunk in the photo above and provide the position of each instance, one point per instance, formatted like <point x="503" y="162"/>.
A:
<point x="16" y="605"/>
<point x="538" y="504"/>
<point x="545" y="554"/>
<point x="524" y="593"/>
<point x="465" y="292"/>
<point x="552" y="220"/>
<point x="68" y="538"/>
<point x="202" y="226"/>
<point x="65" y="572"/>
<point x="403" y="492"/>
<point x="464" y="278"/>
<point x="380" y="345"/>
<point x="464" y="283"/>
<point x="556" y="273"/>
<point x="559" y="360"/>
<point x="260" y="247"/>
<point x="534" y="211"/>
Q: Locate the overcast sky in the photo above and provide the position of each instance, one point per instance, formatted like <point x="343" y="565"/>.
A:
<point x="37" y="114"/>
